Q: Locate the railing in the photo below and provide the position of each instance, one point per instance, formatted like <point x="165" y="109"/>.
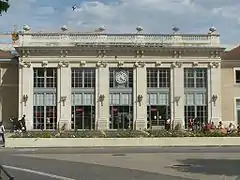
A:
<point x="4" y="174"/>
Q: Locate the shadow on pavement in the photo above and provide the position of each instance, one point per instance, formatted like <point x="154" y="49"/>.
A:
<point x="227" y="167"/>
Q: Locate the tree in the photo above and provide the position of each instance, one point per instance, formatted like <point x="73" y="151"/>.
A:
<point x="4" y="5"/>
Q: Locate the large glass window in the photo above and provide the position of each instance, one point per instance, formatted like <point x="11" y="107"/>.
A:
<point x="83" y="78"/>
<point x="121" y="77"/>
<point x="196" y="107"/>
<point x="158" y="109"/>
<point x="120" y="98"/>
<point x="45" y="77"/>
<point x="44" y="111"/>
<point x="195" y="78"/>
<point x="158" y="77"/>
<point x="83" y="117"/>
<point x="83" y="98"/>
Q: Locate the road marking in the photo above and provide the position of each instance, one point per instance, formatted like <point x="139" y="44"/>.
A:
<point x="26" y="150"/>
<point x="38" y="173"/>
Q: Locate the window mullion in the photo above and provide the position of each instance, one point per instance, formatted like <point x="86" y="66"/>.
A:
<point x="83" y="75"/>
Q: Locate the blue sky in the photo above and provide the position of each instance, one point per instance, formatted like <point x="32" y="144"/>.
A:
<point x="121" y="16"/>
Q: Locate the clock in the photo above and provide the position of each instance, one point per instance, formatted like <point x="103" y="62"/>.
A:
<point x="121" y="77"/>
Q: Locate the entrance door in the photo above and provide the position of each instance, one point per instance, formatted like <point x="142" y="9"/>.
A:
<point x="157" y="115"/>
<point x="83" y="117"/>
<point x="121" y="117"/>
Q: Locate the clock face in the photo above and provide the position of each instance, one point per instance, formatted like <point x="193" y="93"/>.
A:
<point x="121" y="77"/>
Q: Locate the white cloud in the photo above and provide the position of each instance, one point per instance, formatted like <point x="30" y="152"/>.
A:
<point x="156" y="16"/>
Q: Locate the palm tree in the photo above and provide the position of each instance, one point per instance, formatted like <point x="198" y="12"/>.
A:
<point x="4" y="5"/>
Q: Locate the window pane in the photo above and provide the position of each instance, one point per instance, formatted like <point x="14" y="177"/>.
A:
<point x="237" y="72"/>
<point x="125" y="99"/>
<point x="89" y="78"/>
<point x="164" y="78"/>
<point x="200" y="99"/>
<point x="152" y="78"/>
<point x="50" y="99"/>
<point x="189" y="99"/>
<point x="163" y="99"/>
<point x="152" y="99"/>
<point x="77" y="99"/>
<point x="115" y="99"/>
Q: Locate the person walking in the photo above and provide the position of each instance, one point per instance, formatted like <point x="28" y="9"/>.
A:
<point x="23" y="123"/>
<point x="2" y="131"/>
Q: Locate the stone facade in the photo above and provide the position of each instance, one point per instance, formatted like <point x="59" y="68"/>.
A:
<point x="136" y="52"/>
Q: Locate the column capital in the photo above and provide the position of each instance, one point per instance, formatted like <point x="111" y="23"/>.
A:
<point x="101" y="64"/>
<point x="25" y="64"/>
<point x="214" y="64"/>
<point x="176" y="65"/>
<point x="139" y="64"/>
<point x="63" y="64"/>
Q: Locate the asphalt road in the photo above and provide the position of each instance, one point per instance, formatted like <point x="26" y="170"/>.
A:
<point x="121" y="163"/>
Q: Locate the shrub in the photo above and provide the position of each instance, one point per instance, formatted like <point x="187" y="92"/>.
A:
<point x="123" y="134"/>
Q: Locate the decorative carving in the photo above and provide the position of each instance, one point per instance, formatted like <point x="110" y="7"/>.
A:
<point x="101" y="64"/>
<point x="25" y="53"/>
<point x="101" y="53"/>
<point x="210" y="65"/>
<point x="176" y="65"/>
<point x="216" y="64"/>
<point x="82" y="63"/>
<point x="63" y="53"/>
<point x="136" y="65"/>
<point x="177" y="54"/>
<point x="44" y="63"/>
<point x="214" y="54"/>
<point x="139" y="64"/>
<point x="120" y="63"/>
<point x="24" y="64"/>
<point x="139" y="54"/>
<point x="63" y="64"/>
<point x="157" y="64"/>
<point x="195" y="64"/>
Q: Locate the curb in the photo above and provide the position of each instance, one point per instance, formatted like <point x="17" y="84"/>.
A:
<point x="121" y="142"/>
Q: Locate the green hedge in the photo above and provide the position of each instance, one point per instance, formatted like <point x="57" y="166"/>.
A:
<point x="121" y="134"/>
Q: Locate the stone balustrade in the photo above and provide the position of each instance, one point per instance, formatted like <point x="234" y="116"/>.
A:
<point x="80" y="39"/>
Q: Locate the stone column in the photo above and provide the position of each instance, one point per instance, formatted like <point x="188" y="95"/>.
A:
<point x="64" y="95"/>
<point x="26" y="89"/>
<point x="102" y="96"/>
<point x="214" y="88"/>
<point x="140" y="93"/>
<point x="177" y="97"/>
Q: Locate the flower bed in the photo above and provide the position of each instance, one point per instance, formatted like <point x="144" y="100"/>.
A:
<point x="122" y="134"/>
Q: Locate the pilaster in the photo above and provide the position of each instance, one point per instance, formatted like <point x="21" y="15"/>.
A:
<point x="26" y="93"/>
<point x="102" y="96"/>
<point x="64" y="102"/>
<point x="177" y="96"/>
<point x="140" y="96"/>
<point x="214" y="92"/>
